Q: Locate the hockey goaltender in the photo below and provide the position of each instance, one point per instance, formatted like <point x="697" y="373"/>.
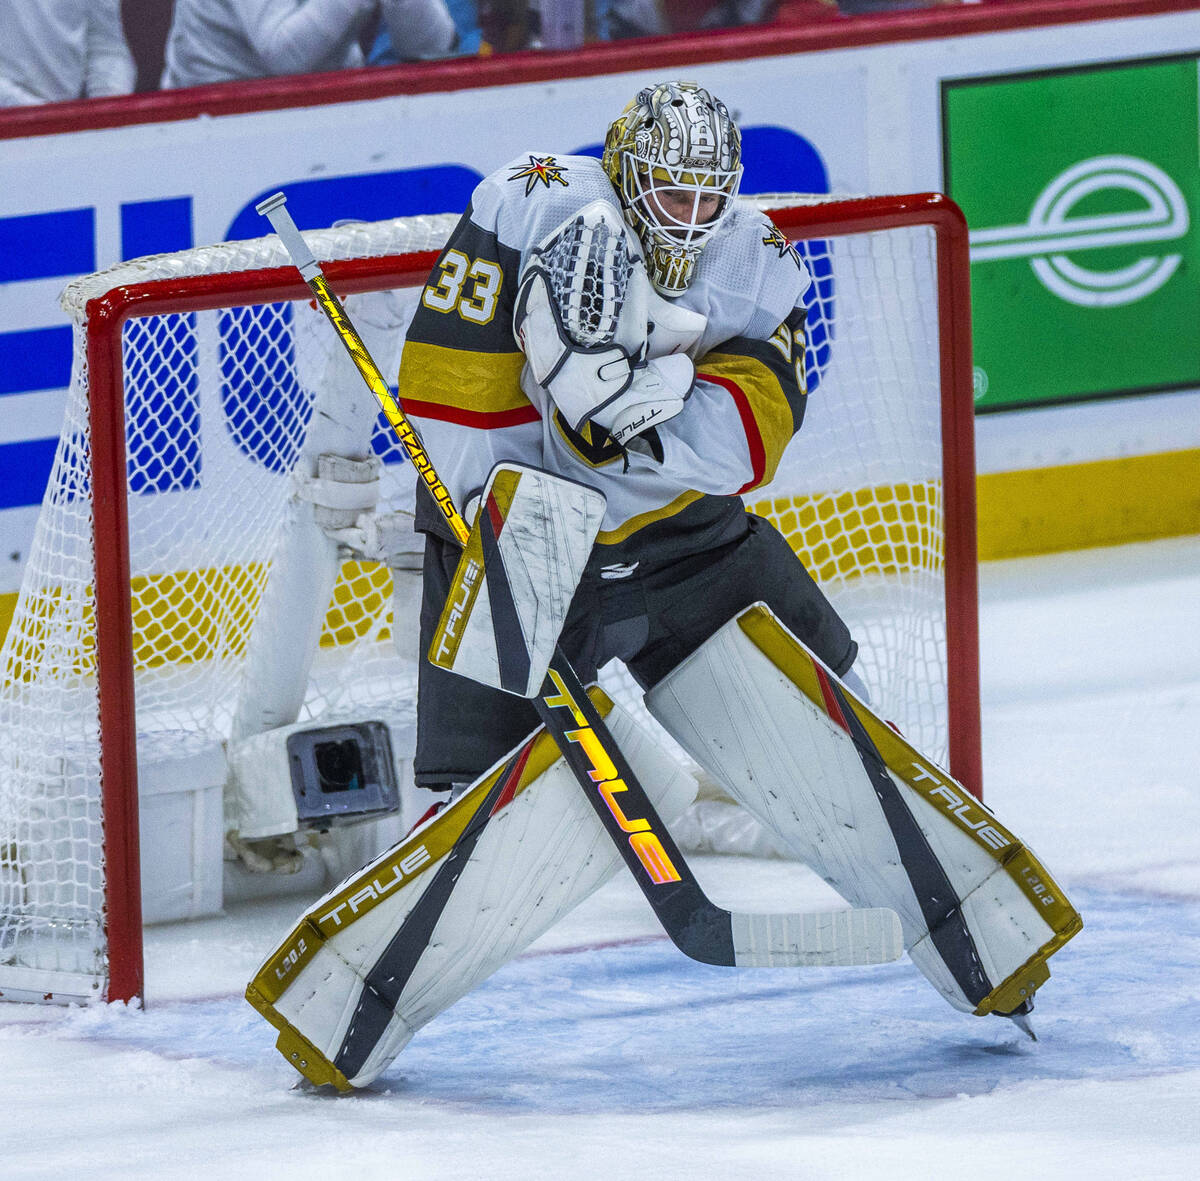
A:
<point x="606" y="356"/>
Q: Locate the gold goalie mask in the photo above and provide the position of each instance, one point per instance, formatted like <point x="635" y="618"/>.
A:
<point x="675" y="157"/>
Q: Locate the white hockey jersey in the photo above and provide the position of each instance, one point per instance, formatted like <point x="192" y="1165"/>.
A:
<point x="461" y="370"/>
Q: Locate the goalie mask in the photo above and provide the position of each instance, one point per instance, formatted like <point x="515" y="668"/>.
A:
<point x="675" y="157"/>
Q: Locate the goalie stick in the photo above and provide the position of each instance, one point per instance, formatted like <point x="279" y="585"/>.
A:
<point x="697" y="926"/>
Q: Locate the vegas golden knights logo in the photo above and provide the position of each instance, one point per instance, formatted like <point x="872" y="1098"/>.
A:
<point x="540" y="170"/>
<point x="593" y="444"/>
<point x="776" y="239"/>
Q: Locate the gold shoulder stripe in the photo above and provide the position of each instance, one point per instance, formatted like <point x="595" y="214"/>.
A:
<point x="762" y="398"/>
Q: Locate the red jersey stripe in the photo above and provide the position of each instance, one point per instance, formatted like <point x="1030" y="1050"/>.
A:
<point x="754" y="439"/>
<point x="484" y="420"/>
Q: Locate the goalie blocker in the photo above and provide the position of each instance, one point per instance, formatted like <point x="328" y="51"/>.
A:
<point x="877" y="820"/>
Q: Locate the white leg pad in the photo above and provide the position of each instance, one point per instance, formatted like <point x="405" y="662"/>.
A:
<point x="765" y="717"/>
<point x="541" y="852"/>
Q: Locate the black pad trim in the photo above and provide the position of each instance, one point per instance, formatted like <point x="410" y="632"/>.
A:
<point x="511" y="650"/>
<point x="940" y="905"/>
<point x="386" y="980"/>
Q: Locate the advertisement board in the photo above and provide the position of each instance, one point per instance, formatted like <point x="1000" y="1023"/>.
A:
<point x="78" y="203"/>
<point x="1081" y="187"/>
<point x="863" y="114"/>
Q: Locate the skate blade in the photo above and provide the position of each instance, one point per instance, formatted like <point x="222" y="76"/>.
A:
<point x="1022" y="1022"/>
<point x="324" y="1090"/>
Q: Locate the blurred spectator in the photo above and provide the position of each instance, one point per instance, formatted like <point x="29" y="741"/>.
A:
<point x="654" y="18"/>
<point x="223" y="40"/>
<point x="857" y="7"/>
<point x="468" y="36"/>
<point x="147" y="23"/>
<point x="507" y="25"/>
<point x="54" y="50"/>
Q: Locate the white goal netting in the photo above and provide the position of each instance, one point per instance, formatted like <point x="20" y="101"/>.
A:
<point x="214" y="407"/>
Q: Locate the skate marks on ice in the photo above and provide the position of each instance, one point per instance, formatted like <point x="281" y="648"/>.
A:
<point x="639" y="1030"/>
<point x="635" y="1027"/>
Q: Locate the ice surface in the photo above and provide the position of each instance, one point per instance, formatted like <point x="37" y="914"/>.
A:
<point x="604" y="1054"/>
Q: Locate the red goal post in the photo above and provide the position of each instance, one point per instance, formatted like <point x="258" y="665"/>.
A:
<point x="920" y="530"/>
<point x="106" y="316"/>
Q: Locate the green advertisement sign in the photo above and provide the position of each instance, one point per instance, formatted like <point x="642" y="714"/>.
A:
<point x="1081" y="189"/>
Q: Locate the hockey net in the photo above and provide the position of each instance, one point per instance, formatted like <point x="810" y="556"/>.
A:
<point x="192" y="390"/>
